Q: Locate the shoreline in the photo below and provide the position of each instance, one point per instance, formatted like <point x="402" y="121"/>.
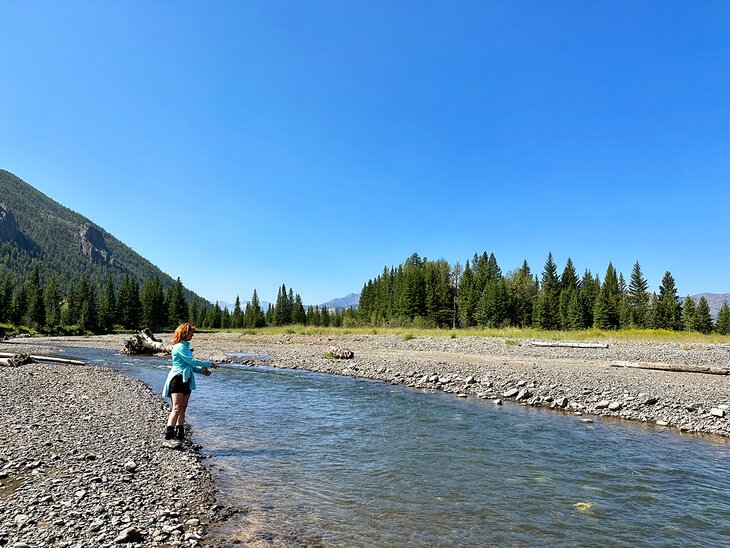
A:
<point x="67" y="435"/>
<point x="80" y="466"/>
<point x="577" y="380"/>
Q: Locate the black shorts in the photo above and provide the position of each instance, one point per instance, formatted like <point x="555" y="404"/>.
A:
<point x="177" y="386"/>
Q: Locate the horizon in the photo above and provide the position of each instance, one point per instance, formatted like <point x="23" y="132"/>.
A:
<point x="312" y="145"/>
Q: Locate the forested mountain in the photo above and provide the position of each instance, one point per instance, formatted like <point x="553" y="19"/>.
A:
<point x="37" y="232"/>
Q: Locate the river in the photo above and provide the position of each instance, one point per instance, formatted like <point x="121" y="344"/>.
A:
<point x="342" y="461"/>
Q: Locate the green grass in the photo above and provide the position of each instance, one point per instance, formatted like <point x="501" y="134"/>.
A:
<point x="510" y="333"/>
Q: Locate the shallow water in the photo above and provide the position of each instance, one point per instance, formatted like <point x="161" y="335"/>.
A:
<point x="352" y="462"/>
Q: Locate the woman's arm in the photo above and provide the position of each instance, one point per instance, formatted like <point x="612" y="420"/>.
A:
<point x="197" y="365"/>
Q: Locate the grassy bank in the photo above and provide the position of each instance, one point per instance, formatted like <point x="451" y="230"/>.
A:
<point x="511" y="333"/>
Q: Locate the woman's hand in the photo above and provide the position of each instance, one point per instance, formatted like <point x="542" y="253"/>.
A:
<point x="206" y="372"/>
<point x="214" y="365"/>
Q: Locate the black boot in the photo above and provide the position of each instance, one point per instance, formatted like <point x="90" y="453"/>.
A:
<point x="170" y="433"/>
<point x="180" y="432"/>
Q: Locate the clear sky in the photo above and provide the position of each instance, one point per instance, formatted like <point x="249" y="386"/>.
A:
<point x="242" y="145"/>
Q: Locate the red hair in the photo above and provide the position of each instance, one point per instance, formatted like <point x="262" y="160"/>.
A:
<point x="183" y="332"/>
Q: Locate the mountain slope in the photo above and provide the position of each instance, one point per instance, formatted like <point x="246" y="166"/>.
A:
<point x="36" y="230"/>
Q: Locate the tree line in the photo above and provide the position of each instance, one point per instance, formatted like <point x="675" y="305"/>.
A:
<point x="84" y="307"/>
<point x="427" y="293"/>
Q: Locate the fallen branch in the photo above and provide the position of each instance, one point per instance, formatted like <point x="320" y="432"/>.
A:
<point x="144" y="342"/>
<point x="679" y="368"/>
<point x="569" y="344"/>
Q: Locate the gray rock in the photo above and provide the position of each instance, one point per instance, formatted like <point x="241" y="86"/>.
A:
<point x="523" y="394"/>
<point x="603" y="404"/>
<point x="615" y="406"/>
<point x="130" y="534"/>
<point x="562" y="402"/>
<point x="510" y="393"/>
<point x="717" y="412"/>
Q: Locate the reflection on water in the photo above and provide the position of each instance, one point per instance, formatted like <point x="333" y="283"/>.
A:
<point x="350" y="462"/>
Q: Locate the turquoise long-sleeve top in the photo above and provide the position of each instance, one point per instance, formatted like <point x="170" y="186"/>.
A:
<point x="183" y="363"/>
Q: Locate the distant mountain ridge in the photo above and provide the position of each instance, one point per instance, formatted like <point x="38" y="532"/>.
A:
<point x="37" y="231"/>
<point x="353" y="299"/>
<point x="715" y="300"/>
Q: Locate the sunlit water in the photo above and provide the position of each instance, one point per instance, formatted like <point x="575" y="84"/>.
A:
<point x="351" y="462"/>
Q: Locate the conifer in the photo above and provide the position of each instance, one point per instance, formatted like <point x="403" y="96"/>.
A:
<point x="688" y="314"/>
<point x="702" y="318"/>
<point x="177" y="306"/>
<point x="723" y="319"/>
<point x="52" y="301"/>
<point x="108" y="307"/>
<point x="36" y="306"/>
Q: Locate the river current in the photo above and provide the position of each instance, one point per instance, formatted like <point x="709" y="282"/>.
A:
<point x="352" y="462"/>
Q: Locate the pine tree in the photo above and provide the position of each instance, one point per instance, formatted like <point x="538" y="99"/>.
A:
<point x="20" y="306"/>
<point x="255" y="317"/>
<point x="282" y="310"/>
<point x="36" y="306"/>
<point x="89" y="319"/>
<point x="546" y="314"/>
<point x="638" y="298"/>
<point x="298" y="314"/>
<point x="590" y="287"/>
<point x="217" y="318"/>
<point x="108" y="307"/>
<point x="723" y="319"/>
<point x="193" y="312"/>
<point x="6" y="298"/>
<point x="605" y="311"/>
<point x="70" y="310"/>
<point x="523" y="294"/>
<point x="269" y="316"/>
<point x="467" y="300"/>
<point x="702" y="318"/>
<point x="237" y="316"/>
<point x="177" y="306"/>
<point x="52" y="301"/>
<point x="667" y="311"/>
<point x="688" y="314"/>
<point x="225" y="319"/>
<point x="310" y="315"/>
<point x="568" y="286"/>
<point x="129" y="305"/>
<point x="324" y="316"/>
<point x="576" y="312"/>
<point x="154" y="312"/>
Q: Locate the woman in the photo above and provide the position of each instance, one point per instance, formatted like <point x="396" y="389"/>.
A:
<point x="181" y="379"/>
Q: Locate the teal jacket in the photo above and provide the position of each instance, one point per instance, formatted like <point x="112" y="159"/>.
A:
<point x="183" y="363"/>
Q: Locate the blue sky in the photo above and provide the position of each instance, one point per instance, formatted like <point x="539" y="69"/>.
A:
<point x="242" y="145"/>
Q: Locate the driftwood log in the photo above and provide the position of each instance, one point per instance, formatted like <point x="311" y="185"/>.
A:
<point x="15" y="360"/>
<point x="340" y="353"/>
<point x="563" y="344"/>
<point x="680" y="368"/>
<point x="144" y="342"/>
<point x="39" y="358"/>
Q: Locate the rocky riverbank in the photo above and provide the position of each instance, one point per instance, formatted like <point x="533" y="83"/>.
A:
<point x="575" y="380"/>
<point x="80" y="466"/>
<point x="81" y="463"/>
